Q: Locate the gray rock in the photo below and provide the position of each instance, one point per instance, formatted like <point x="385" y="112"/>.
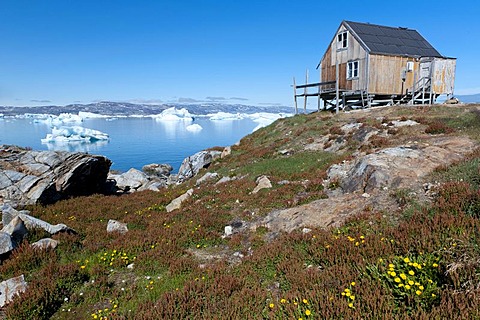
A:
<point x="225" y="180"/>
<point x="136" y="180"/>
<point x="32" y="222"/>
<point x="177" y="202"/>
<point x="30" y="177"/>
<point x="262" y="183"/>
<point x="6" y="243"/>
<point x="16" y="229"/>
<point x="116" y="226"/>
<point x="192" y="165"/>
<point x="11" y="288"/>
<point x="132" y="179"/>
<point x="159" y="170"/>
<point x="44" y="244"/>
<point x="209" y="176"/>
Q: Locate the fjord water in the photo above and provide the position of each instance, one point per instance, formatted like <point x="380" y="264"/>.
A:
<point x="134" y="142"/>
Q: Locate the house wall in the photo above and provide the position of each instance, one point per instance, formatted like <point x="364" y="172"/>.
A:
<point x="443" y="75"/>
<point x="386" y="74"/>
<point x="353" y="52"/>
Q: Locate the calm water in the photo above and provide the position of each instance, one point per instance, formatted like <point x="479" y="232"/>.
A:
<point x="134" y="142"/>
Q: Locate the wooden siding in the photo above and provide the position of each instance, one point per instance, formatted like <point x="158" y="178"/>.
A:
<point x="386" y="74"/>
<point x="443" y="75"/>
<point x="353" y="52"/>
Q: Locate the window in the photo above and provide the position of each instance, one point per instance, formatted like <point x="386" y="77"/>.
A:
<point x="342" y="41"/>
<point x="352" y="70"/>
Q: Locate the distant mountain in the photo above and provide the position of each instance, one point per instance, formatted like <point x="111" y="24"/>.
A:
<point x="469" y="98"/>
<point x="124" y="108"/>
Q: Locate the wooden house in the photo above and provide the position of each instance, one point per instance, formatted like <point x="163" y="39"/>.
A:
<point x="367" y="64"/>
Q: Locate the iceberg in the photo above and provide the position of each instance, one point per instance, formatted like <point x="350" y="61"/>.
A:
<point x="74" y="134"/>
<point x="194" y="128"/>
<point x="174" y="114"/>
<point x="91" y="115"/>
<point x="225" y="116"/>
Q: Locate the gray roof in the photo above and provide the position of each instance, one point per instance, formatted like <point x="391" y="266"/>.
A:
<point x="392" y="41"/>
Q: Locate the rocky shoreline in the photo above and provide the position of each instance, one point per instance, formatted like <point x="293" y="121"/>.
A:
<point x="29" y="177"/>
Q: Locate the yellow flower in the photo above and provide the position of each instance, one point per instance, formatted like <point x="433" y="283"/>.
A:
<point x="353" y="283"/>
<point x="411" y="273"/>
<point x="415" y="265"/>
<point x="403" y="276"/>
<point x="283" y="301"/>
<point x="391" y="266"/>
<point x="434" y="295"/>
<point x="397" y="280"/>
<point x="393" y="274"/>
<point x="305" y="301"/>
<point x="406" y="260"/>
<point x="271" y="305"/>
<point x="308" y="312"/>
<point x="347" y="290"/>
<point x="410" y="282"/>
<point x="407" y="287"/>
<point x="350" y="305"/>
<point x="418" y="292"/>
<point x="348" y="294"/>
<point x="400" y="285"/>
<point x="352" y="297"/>
<point x="421" y="287"/>
<point x="434" y="265"/>
<point x="82" y="267"/>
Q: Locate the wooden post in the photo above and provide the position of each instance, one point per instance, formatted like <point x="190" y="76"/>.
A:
<point x="319" y="88"/>
<point x="295" y="95"/>
<point x="305" y="91"/>
<point x="336" y="85"/>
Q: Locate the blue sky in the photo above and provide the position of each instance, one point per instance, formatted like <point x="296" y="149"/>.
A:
<point x="61" y="52"/>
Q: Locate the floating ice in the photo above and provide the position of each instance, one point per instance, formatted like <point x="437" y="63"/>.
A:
<point x="225" y="116"/>
<point x="74" y="134"/>
<point x="194" y="128"/>
<point x="91" y="115"/>
<point x="174" y="114"/>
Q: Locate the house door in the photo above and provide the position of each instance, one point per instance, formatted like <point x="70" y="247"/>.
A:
<point x="425" y="72"/>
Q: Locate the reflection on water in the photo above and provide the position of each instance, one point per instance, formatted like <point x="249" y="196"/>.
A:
<point x="76" y="146"/>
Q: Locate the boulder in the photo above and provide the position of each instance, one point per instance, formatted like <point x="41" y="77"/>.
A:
<point x="10" y="288"/>
<point x="209" y="176"/>
<point x="177" y="202"/>
<point x="262" y="183"/>
<point x="16" y="229"/>
<point x="29" y="177"/>
<point x="192" y="165"/>
<point x="136" y="180"/>
<point x="44" y="244"/>
<point x="226" y="152"/>
<point x="158" y="170"/>
<point x="116" y="226"/>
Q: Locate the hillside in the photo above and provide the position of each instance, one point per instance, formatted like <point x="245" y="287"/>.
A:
<point x="370" y="214"/>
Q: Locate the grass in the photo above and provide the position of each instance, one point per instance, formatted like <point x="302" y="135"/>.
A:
<point x="153" y="271"/>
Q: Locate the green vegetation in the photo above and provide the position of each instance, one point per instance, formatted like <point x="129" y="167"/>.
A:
<point x="421" y="261"/>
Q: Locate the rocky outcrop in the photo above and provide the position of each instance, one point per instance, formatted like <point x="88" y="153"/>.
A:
<point x="192" y="165"/>
<point x="29" y="177"/>
<point x="11" y="288"/>
<point x="158" y="170"/>
<point x="398" y="167"/>
<point x="16" y="225"/>
<point x="136" y="180"/>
